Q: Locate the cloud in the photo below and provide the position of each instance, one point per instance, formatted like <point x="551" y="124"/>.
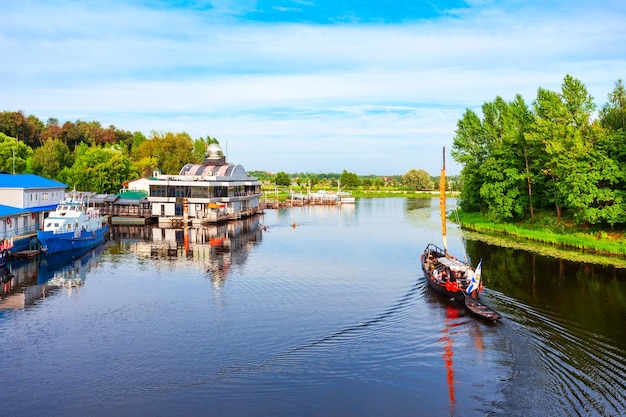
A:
<point x="293" y="96"/>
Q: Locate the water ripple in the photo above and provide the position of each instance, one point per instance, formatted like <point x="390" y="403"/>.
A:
<point x="580" y="373"/>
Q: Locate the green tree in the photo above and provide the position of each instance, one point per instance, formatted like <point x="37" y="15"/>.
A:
<point x="13" y="154"/>
<point x="200" y="145"/>
<point x="50" y="159"/>
<point x="505" y="169"/>
<point x="563" y="130"/>
<point x="613" y="113"/>
<point x="469" y="149"/>
<point x="98" y="169"/>
<point x="417" y="180"/>
<point x="349" y="179"/>
<point x="172" y="151"/>
<point x="282" y="178"/>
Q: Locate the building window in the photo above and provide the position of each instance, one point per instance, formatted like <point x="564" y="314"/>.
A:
<point x="44" y="196"/>
<point x="221" y="191"/>
<point x="200" y="192"/>
<point x="157" y="191"/>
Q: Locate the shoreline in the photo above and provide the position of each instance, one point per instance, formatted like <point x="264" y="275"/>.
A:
<point x="598" y="243"/>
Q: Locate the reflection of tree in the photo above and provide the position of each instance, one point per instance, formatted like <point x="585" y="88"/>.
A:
<point x="589" y="294"/>
<point x="417" y="210"/>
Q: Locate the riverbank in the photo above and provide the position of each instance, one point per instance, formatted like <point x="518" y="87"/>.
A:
<point x="544" y="231"/>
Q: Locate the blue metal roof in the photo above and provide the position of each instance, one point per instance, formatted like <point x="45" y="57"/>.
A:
<point x="6" y="211"/>
<point x="24" y="181"/>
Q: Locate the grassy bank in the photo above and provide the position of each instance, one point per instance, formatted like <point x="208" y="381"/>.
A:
<point x="545" y="230"/>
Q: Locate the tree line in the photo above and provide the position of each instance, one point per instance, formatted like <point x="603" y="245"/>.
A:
<point x="558" y="154"/>
<point x="91" y="157"/>
<point x="88" y="156"/>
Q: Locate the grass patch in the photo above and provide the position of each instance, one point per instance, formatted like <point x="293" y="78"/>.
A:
<point x="545" y="229"/>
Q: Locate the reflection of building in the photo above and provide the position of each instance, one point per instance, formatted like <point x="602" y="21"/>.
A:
<point x="205" y="193"/>
<point x="218" y="246"/>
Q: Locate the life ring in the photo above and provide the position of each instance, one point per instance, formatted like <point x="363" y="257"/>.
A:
<point x="8" y="221"/>
<point x="32" y="216"/>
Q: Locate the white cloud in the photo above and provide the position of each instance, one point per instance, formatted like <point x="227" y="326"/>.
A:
<point x="375" y="97"/>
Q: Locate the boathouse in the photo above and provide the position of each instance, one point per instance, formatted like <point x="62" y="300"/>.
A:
<point x="212" y="191"/>
<point x="25" y="200"/>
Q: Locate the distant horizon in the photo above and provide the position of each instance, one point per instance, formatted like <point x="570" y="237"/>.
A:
<point x="303" y="86"/>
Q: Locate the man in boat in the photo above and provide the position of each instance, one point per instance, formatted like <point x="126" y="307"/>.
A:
<point x="469" y="275"/>
<point x="473" y="281"/>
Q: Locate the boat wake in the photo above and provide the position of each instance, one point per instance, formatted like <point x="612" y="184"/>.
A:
<point x="560" y="369"/>
<point x="344" y="335"/>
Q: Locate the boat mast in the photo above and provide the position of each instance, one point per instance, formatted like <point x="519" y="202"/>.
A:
<point x="442" y="202"/>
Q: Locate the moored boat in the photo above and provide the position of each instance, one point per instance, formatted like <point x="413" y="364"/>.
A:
<point x="345" y="197"/>
<point x="450" y="276"/>
<point x="72" y="226"/>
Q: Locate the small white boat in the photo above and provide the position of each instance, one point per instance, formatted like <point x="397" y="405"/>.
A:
<point x="345" y="197"/>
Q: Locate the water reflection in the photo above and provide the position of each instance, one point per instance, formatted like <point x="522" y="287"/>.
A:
<point x="27" y="281"/>
<point x="218" y="247"/>
<point x="566" y="325"/>
<point x="592" y="295"/>
<point x="319" y="320"/>
<point x="448" y="353"/>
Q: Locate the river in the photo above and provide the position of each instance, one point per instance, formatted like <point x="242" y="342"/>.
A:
<point x="304" y="312"/>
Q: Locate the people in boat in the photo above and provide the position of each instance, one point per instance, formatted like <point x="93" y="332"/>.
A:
<point x="469" y="275"/>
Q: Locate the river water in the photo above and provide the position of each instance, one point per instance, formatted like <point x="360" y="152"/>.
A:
<point x="309" y="311"/>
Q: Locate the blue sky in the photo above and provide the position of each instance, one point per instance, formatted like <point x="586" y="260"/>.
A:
<point x="302" y="85"/>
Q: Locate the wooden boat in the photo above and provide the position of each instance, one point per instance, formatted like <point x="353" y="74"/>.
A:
<point x="450" y="276"/>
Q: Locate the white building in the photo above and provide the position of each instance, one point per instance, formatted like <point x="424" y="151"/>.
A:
<point x="205" y="193"/>
<point x="25" y="199"/>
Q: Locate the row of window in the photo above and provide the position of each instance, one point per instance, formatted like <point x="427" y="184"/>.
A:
<point x="44" y="196"/>
<point x="201" y="191"/>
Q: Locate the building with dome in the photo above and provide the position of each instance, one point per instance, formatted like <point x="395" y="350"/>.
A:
<point x="212" y="191"/>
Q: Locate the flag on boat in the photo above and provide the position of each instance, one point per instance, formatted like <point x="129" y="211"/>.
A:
<point x="475" y="282"/>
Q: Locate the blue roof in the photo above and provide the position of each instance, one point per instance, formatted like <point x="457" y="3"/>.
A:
<point x="23" y="181"/>
<point x="6" y="211"/>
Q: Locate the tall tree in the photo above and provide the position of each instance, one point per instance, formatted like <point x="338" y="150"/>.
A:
<point x="417" y="180"/>
<point x="16" y="125"/>
<point x="282" y="178"/>
<point x="172" y="150"/>
<point x="13" y="154"/>
<point x="50" y="159"/>
<point x="469" y="150"/>
<point x="98" y="169"/>
<point x="349" y="179"/>
<point x="549" y="133"/>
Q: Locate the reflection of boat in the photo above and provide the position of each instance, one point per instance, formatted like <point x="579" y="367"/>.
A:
<point x="5" y="247"/>
<point x="66" y="269"/>
<point x="5" y="279"/>
<point x="448" y="275"/>
<point x="448" y="354"/>
<point x="72" y="226"/>
<point x="345" y="197"/>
